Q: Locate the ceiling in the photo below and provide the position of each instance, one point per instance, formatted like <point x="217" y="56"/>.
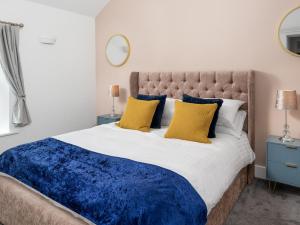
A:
<point x="85" y="7"/>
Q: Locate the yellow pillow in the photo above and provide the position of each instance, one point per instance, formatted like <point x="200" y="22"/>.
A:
<point x="138" y="114"/>
<point x="191" y="122"/>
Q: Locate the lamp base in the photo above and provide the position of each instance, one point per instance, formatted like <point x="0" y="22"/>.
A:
<point x="286" y="139"/>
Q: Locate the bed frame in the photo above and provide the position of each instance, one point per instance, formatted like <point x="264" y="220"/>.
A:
<point x="207" y="84"/>
<point x="20" y="205"/>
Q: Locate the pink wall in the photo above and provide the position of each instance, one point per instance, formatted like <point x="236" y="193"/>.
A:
<point x="177" y="35"/>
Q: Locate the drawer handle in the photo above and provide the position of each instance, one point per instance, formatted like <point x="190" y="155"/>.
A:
<point x="291" y="165"/>
<point x="291" y="147"/>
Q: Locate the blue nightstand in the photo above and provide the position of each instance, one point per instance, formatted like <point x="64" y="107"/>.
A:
<point x="104" y="119"/>
<point x="283" y="161"/>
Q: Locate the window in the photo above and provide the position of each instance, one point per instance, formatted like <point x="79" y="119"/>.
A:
<point x="4" y="104"/>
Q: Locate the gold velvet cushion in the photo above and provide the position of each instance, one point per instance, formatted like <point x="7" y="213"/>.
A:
<point x="138" y="114"/>
<point x="191" y="122"/>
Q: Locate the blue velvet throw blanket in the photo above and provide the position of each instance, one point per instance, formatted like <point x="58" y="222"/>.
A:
<point x="104" y="189"/>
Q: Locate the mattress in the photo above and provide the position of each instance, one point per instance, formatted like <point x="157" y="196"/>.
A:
<point x="210" y="168"/>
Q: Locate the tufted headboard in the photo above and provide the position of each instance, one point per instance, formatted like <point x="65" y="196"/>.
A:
<point x="211" y="84"/>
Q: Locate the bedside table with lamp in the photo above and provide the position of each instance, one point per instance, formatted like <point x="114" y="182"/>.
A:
<point x="114" y="92"/>
<point x="283" y="153"/>
<point x="108" y="118"/>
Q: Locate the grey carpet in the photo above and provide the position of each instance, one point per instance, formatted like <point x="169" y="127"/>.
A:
<point x="258" y="205"/>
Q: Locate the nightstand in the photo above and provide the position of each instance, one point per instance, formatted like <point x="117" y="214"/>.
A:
<point x="104" y="119"/>
<point x="283" y="161"/>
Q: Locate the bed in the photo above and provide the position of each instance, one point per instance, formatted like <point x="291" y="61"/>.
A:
<point x="20" y="205"/>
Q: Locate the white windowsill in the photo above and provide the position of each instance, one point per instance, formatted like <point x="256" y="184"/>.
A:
<point x="8" y="134"/>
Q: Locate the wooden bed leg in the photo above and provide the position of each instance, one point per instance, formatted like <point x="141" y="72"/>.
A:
<point x="250" y="173"/>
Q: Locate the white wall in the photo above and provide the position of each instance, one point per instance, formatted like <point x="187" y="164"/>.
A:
<point x="60" y="79"/>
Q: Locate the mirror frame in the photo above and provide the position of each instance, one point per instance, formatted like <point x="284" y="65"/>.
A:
<point x="278" y="31"/>
<point x="129" y="50"/>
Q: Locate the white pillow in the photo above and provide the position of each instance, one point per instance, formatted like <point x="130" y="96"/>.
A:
<point x="236" y="128"/>
<point x="168" y="111"/>
<point x="228" y="112"/>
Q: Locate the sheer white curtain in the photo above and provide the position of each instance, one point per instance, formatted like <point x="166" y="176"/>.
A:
<point x="4" y="104"/>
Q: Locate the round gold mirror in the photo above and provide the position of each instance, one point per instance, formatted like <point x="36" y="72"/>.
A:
<point x="117" y="50"/>
<point x="289" y="32"/>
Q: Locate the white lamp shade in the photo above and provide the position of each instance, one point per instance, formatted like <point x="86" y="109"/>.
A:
<point x="286" y="100"/>
<point x="114" y="90"/>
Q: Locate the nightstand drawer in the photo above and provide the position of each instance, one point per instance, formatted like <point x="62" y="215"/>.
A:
<point x="283" y="153"/>
<point x="105" y="119"/>
<point x="284" y="172"/>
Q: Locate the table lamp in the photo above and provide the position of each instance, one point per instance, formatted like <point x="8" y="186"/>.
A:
<point x="114" y="92"/>
<point x="286" y="100"/>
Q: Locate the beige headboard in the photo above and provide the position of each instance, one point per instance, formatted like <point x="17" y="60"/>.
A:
<point x="206" y="84"/>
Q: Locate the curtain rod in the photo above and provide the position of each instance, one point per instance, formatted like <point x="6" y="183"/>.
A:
<point x="13" y="24"/>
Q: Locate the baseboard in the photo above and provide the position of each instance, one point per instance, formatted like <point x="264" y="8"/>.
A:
<point x="260" y="172"/>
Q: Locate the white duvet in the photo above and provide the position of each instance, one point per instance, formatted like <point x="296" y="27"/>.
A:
<point x="210" y="168"/>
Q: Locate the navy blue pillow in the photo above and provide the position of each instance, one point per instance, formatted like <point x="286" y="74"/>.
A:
<point x="156" y="121"/>
<point x="212" y="129"/>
